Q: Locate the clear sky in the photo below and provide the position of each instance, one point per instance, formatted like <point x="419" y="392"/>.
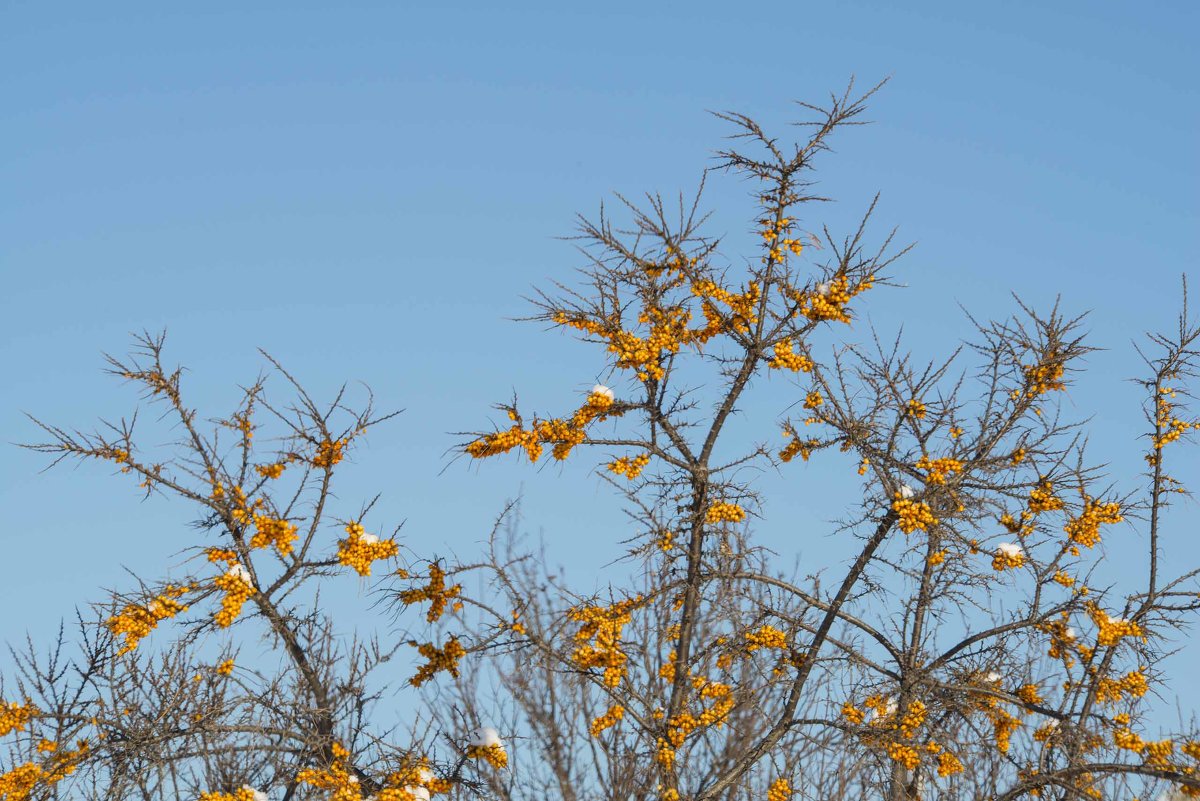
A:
<point x="368" y="191"/>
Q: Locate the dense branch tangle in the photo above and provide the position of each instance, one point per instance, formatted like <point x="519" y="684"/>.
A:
<point x="181" y="721"/>
<point x="934" y="694"/>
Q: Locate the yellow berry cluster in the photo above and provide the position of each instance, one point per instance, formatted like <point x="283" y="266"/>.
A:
<point x="273" y="531"/>
<point x="801" y="447"/>
<point x="678" y="334"/>
<point x="829" y="301"/>
<point x="915" y="408"/>
<point x="722" y="512"/>
<point x="15" y="717"/>
<point x="1157" y="753"/>
<point x="666" y="540"/>
<point x="629" y="466"/>
<point x="1111" y="629"/>
<point x="667" y="329"/>
<point x="438" y="659"/>
<point x="136" y="621"/>
<point x="563" y="434"/>
<point x="912" y="719"/>
<point x="225" y="668"/>
<point x="19" y="783"/>
<point x="407" y="783"/>
<point x="226" y="555"/>
<point x="273" y="470"/>
<point x="667" y="669"/>
<point x="948" y="764"/>
<point x="360" y="549"/>
<point x="504" y="441"/>
<point x="883" y="707"/>
<point x="1045" y="376"/>
<point x="240" y="509"/>
<point x="938" y="468"/>
<point x="889" y="730"/>
<point x="1042" y="499"/>
<point x="436" y="592"/>
<point x="1022" y="527"/>
<point x="338" y="777"/>
<point x="905" y="754"/>
<point x="1133" y="684"/>
<point x="667" y="332"/>
<point x="329" y="453"/>
<point x="493" y="754"/>
<point x="1008" y="556"/>
<point x="237" y="590"/>
<point x="1062" y="640"/>
<point x="785" y="358"/>
<point x="244" y="793"/>
<point x="765" y="637"/>
<point x="853" y="714"/>
<point x="772" y="234"/>
<point x="610" y="718"/>
<point x="1172" y="427"/>
<point x="780" y="790"/>
<point x="741" y="306"/>
<point x="914" y="515"/>
<point x="1085" y="529"/>
<point x="1004" y="725"/>
<point x="1046" y="732"/>
<point x="599" y="638"/>
<point x="1028" y="693"/>
<point x="681" y="726"/>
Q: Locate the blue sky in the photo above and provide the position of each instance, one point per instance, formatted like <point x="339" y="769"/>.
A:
<point x="368" y="191"/>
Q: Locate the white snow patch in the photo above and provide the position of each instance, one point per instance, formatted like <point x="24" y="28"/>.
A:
<point x="240" y="572"/>
<point x="485" y="737"/>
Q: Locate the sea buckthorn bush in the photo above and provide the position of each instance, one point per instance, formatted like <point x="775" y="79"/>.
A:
<point x="962" y="646"/>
